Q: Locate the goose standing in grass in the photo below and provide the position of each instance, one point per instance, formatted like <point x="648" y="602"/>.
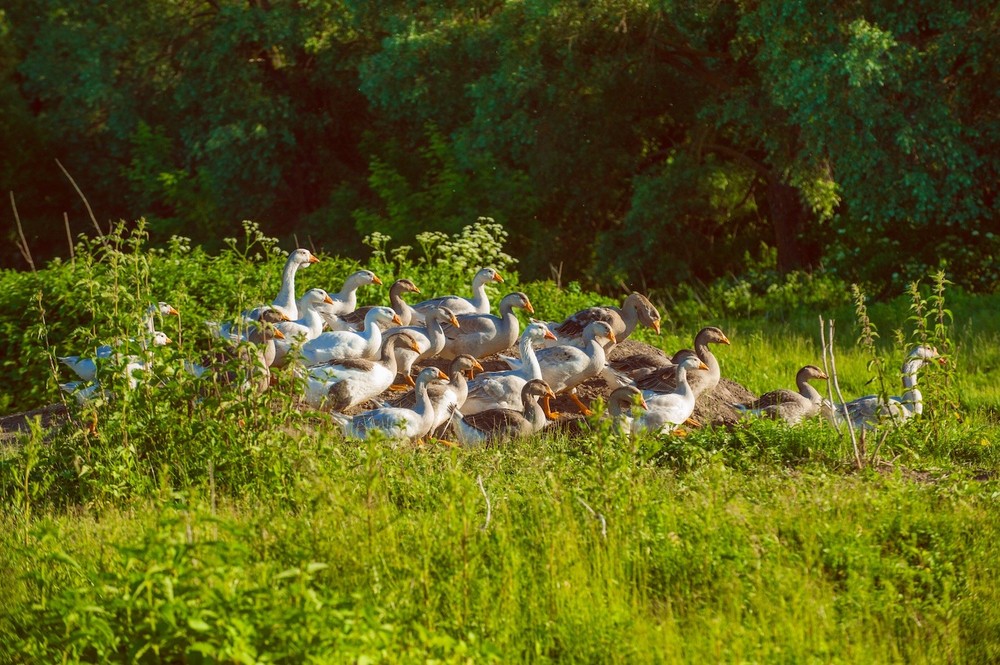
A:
<point x="481" y="335"/>
<point x="393" y="422"/>
<point x="346" y="300"/>
<point x="502" y="390"/>
<point x="349" y="344"/>
<point x="255" y="356"/>
<point x="478" y="304"/>
<point x="284" y="302"/>
<point x="402" y="308"/>
<point x="635" y="310"/>
<point x="870" y="411"/>
<point x="788" y="405"/>
<point x="496" y="425"/>
<point x="346" y="382"/>
<point x="307" y="327"/>
<point x="85" y="391"/>
<point x="662" y="379"/>
<point x="565" y="367"/>
<point x="666" y="411"/>
<point x="86" y="368"/>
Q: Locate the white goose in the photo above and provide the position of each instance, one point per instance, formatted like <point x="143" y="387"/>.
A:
<point x="161" y="308"/>
<point x="478" y="304"/>
<point x="347" y="382"/>
<point x="307" y="327"/>
<point x="284" y="302"/>
<point x="668" y="410"/>
<point x="396" y="423"/>
<point x="349" y="344"/>
<point x="502" y="390"/>
<point x="346" y="300"/>
<point x="565" y="367"/>
<point x="870" y="412"/>
<point x="86" y="368"/>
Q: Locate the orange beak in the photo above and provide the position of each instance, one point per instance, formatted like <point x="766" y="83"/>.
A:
<point x="454" y="322"/>
<point x="702" y="366"/>
<point x="328" y="300"/>
<point x="725" y="340"/>
<point x="172" y="311"/>
<point x="656" y="326"/>
<point x="548" y="335"/>
<point x="642" y="404"/>
<point x="279" y="335"/>
<point x="527" y="306"/>
<point x="612" y="337"/>
<point x="170" y="341"/>
<point x="415" y="289"/>
<point x="442" y="375"/>
<point x="497" y="277"/>
<point x="414" y="346"/>
<point x="284" y="317"/>
<point x="395" y="319"/>
<point x="376" y="280"/>
<point x="313" y="259"/>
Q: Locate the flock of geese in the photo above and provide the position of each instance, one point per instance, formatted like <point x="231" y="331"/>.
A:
<point x="344" y="357"/>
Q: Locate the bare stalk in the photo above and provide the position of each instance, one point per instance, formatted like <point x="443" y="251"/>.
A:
<point x="597" y="515"/>
<point x="69" y="240"/>
<point x="829" y="373"/>
<point x="489" y="507"/>
<point x="23" y="244"/>
<point x="86" y="203"/>
<point x="840" y="396"/>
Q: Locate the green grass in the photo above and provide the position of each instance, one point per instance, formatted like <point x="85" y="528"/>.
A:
<point x="205" y="527"/>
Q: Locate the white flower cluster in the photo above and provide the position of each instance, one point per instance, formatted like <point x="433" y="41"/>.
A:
<point x="476" y="245"/>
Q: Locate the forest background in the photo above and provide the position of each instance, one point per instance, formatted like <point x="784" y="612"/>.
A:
<point x="619" y="141"/>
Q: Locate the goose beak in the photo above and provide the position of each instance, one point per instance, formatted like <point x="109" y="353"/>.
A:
<point x="725" y="340"/>
<point x="612" y="337"/>
<point x="548" y="335"/>
<point x="313" y="259"/>
<point x="415" y="289"/>
<point x="476" y="365"/>
<point x="656" y="326"/>
<point x="395" y="319"/>
<point x="279" y="335"/>
<point x="169" y="341"/>
<point x="527" y="306"/>
<point x="497" y="277"/>
<point x="284" y="317"/>
<point x="376" y="280"/>
<point x="327" y="299"/>
<point x="642" y="404"/>
<point x="822" y="375"/>
<point x="441" y="375"/>
<point x="702" y="365"/>
<point x="454" y="322"/>
<point x="550" y="394"/>
<point x="172" y="311"/>
<point x="414" y="346"/>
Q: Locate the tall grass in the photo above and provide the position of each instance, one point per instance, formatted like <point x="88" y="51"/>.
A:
<point x="198" y="523"/>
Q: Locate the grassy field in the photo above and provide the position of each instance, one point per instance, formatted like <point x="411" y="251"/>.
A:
<point x="234" y="529"/>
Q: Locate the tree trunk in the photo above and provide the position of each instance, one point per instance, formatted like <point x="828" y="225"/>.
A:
<point x="789" y="217"/>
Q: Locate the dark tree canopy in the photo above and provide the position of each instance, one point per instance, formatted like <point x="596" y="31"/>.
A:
<point x="640" y="142"/>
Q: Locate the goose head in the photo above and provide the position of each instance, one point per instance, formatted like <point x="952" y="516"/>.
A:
<point x="600" y="332"/>
<point x="429" y="375"/>
<point x="645" y="311"/>
<point x="443" y="315"/>
<point x="711" y="335"/>
<point x="464" y="363"/>
<point x="302" y="257"/>
<point x="382" y="315"/>
<point x="535" y="389"/>
<point x="517" y="299"/>
<point x="315" y="297"/>
<point x="810" y="372"/>
<point x="623" y="399"/>
<point x="485" y="276"/>
<point x="538" y="330"/>
<point x="160" y="339"/>
<point x="361" y="278"/>
<point x="163" y="308"/>
<point x="404" y="285"/>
